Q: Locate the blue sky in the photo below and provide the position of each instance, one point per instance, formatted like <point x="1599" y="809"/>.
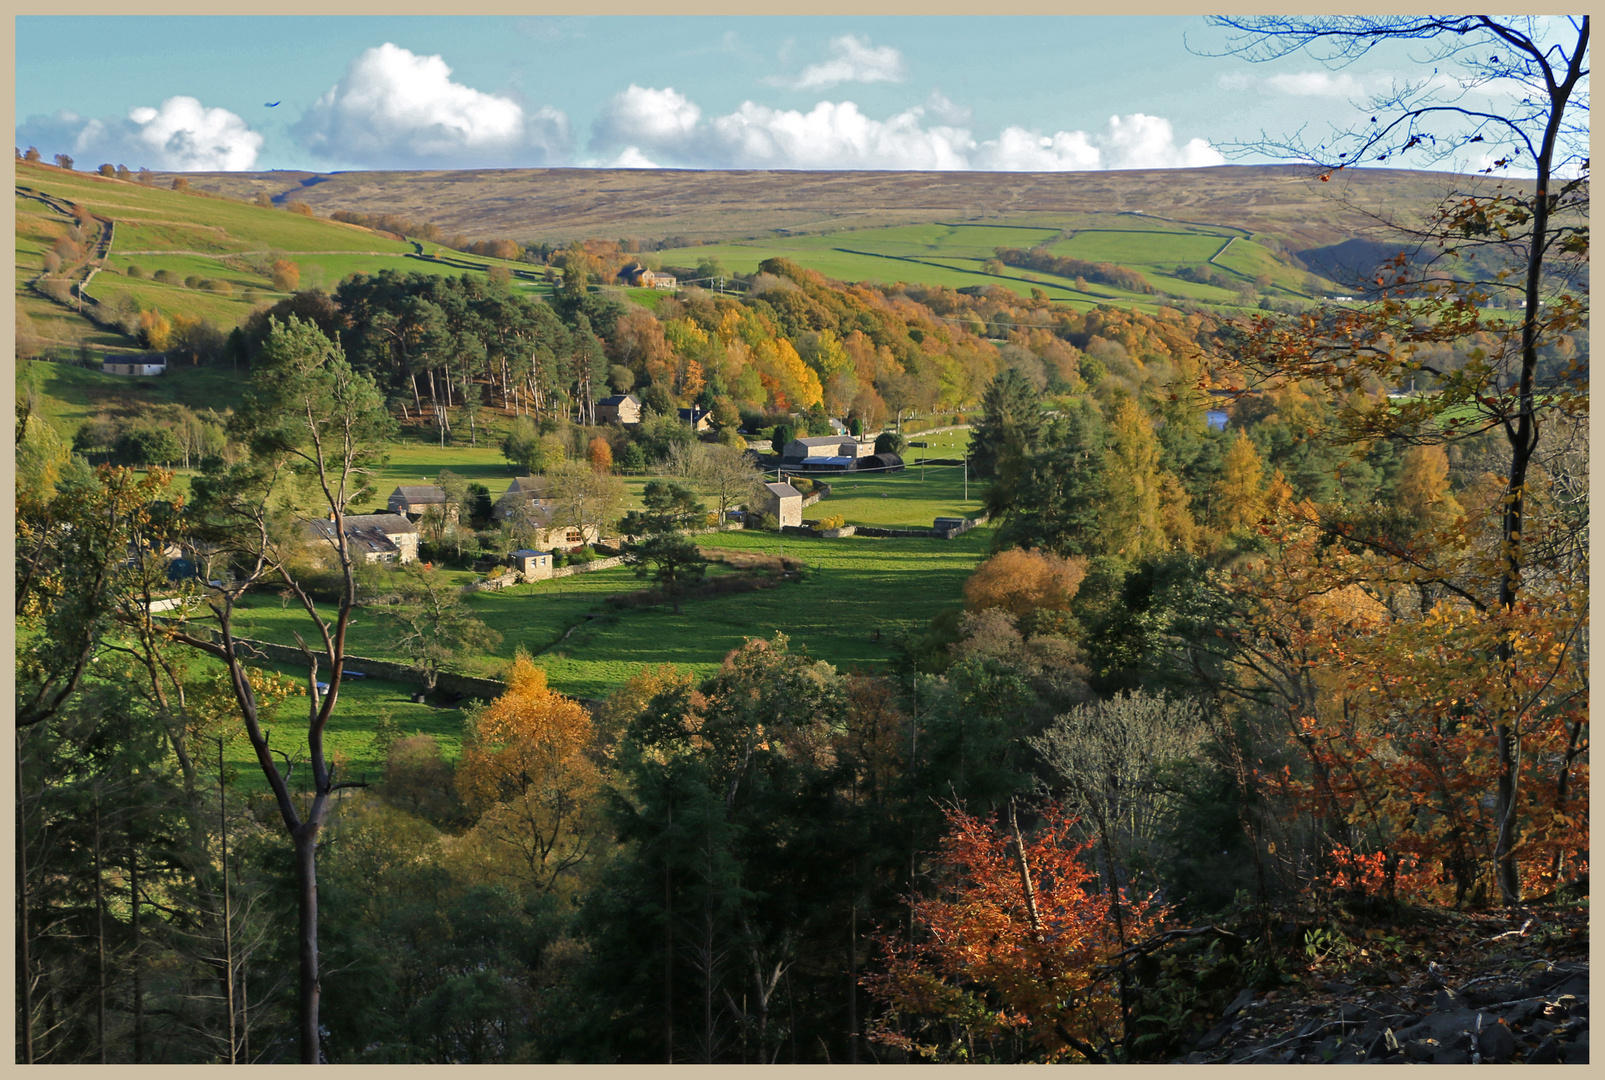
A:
<point x="1009" y="93"/>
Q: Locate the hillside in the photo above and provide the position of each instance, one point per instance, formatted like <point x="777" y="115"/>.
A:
<point x="564" y="204"/>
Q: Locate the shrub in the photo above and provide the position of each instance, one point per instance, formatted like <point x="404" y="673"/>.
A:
<point x="834" y="521"/>
<point x="166" y="277"/>
<point x="192" y="282"/>
<point x="764" y="521"/>
<point x="218" y="286"/>
<point x="135" y="270"/>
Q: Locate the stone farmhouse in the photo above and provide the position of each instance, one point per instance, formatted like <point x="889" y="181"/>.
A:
<point x="623" y="409"/>
<point x="525" y="501"/>
<point x="639" y="276"/>
<point x="413" y="499"/>
<point x="826" y="453"/>
<point x="783" y="501"/>
<point x="388" y="538"/>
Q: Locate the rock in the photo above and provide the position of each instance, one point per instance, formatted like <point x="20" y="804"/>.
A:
<point x="1238" y="1002"/>
<point x="1421" y="1049"/>
<point x="1444" y="1000"/>
<point x="1335" y="987"/>
<point x="1216" y="1034"/>
<point x="1496" y="1042"/>
<point x="1447" y="1056"/>
<point x="1545" y="1053"/>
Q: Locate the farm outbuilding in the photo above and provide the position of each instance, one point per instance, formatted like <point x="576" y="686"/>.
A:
<point x="413" y="499"/>
<point x="532" y="565"/>
<point x="783" y="501"/>
<point x="623" y="409"/>
<point x="371" y="537"/>
<point x="134" y="367"/>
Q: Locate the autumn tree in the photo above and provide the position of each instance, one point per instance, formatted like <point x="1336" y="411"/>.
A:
<point x="1533" y="235"/>
<point x="1240" y="492"/>
<point x="524" y="770"/>
<point x="1023" y="583"/>
<point x="1130" y="523"/>
<point x="1037" y="989"/>
<point x="286" y="275"/>
<point x="600" y="454"/>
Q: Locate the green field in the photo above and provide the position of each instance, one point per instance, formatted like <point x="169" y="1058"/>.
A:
<point x="156" y="228"/>
<point x="852" y="588"/>
<point x="953" y="255"/>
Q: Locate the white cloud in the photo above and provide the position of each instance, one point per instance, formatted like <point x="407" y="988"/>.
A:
<point x="642" y="115"/>
<point x="664" y="126"/>
<point x="632" y="158"/>
<point x="1018" y="150"/>
<point x="1340" y="85"/>
<point x="853" y="59"/>
<point x="395" y="109"/>
<point x="183" y="136"/>
<point x="1147" y="142"/>
<point x="944" y="110"/>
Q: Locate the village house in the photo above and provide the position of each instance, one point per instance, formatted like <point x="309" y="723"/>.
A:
<point x="783" y="502"/>
<point x="826" y="453"/>
<point x="639" y="276"/>
<point x="371" y="537"/>
<point x="623" y="409"/>
<point x="525" y="502"/>
<point x="697" y="419"/>
<point x="134" y="367"/>
<point x="413" y="499"/>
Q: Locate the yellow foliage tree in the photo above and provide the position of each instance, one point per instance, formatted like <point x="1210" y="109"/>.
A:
<point x="286" y="275"/>
<point x="525" y="772"/>
<point x="154" y="330"/>
<point x="1131" y="520"/>
<point x="601" y="455"/>
<point x="1424" y="485"/>
<point x="1240" y="497"/>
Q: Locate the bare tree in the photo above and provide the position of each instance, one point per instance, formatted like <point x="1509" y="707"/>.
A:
<point x="307" y="415"/>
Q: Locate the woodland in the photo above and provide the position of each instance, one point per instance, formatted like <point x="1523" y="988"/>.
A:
<point x="1278" y="646"/>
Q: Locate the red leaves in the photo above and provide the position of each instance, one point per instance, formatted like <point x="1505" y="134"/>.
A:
<point x="980" y="968"/>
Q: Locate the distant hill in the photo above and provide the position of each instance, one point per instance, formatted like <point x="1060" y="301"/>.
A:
<point x="1288" y="202"/>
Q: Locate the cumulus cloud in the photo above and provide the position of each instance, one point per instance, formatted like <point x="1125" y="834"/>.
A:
<point x="664" y="126"/>
<point x="182" y="135"/>
<point x="641" y="115"/>
<point x="852" y="59"/>
<point x="395" y="109"/>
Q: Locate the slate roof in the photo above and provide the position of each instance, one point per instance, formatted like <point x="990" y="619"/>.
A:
<point x="420" y="493"/>
<point x="365" y="532"/>
<point x="619" y="399"/>
<point x="783" y="491"/>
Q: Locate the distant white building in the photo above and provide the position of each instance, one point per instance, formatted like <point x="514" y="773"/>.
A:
<point x="134" y="367"/>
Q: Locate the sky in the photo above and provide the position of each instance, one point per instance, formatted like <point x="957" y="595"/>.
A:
<point x="1017" y="93"/>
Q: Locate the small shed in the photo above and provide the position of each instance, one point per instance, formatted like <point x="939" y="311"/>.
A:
<point x="783" y="501"/>
<point x="134" y="367"/>
<point x="532" y="565"/>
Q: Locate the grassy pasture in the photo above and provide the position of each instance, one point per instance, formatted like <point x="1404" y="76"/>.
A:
<point x="1139" y="248"/>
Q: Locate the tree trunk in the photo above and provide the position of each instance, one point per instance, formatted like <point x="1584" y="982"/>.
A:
<point x="24" y="966"/>
<point x="100" y="941"/>
<point x="305" y="839"/>
<point x="668" y="944"/>
<point x="133" y="958"/>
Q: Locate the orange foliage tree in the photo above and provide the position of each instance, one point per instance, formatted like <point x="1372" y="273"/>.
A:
<point x="1024" y="583"/>
<point x="1011" y="960"/>
<point x="525" y="771"/>
<point x="601" y="455"/>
